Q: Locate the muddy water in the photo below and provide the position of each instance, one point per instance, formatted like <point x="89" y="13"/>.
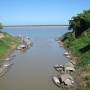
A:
<point x="33" y="69"/>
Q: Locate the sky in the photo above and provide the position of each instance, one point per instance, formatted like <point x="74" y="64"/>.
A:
<point x="40" y="12"/>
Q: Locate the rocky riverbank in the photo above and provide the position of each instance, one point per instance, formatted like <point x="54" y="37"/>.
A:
<point x="78" y="58"/>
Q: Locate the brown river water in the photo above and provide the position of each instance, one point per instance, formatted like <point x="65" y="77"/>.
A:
<point x="33" y="69"/>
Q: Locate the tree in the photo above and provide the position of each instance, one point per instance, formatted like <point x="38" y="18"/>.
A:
<point x="80" y="23"/>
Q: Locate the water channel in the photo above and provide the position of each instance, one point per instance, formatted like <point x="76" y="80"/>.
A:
<point x="33" y="69"/>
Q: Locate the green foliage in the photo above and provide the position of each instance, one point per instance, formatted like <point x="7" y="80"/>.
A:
<point x="78" y="42"/>
<point x="86" y="78"/>
<point x="1" y="26"/>
<point x="3" y="48"/>
<point x="80" y="23"/>
<point x="81" y="46"/>
<point x="88" y="85"/>
<point x="6" y="43"/>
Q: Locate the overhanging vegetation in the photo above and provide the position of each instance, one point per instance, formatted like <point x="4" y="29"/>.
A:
<point x="77" y="40"/>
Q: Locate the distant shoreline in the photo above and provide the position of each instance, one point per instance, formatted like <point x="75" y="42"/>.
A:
<point x="33" y="25"/>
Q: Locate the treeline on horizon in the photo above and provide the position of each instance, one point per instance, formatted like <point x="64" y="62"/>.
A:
<point x="32" y="25"/>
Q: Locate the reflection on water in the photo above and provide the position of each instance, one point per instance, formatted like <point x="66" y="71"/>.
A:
<point x="33" y="69"/>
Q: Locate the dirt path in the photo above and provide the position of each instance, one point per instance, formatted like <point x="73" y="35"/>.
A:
<point x="1" y="35"/>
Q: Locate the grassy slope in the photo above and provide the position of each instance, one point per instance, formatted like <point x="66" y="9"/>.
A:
<point x="74" y="45"/>
<point x="7" y="43"/>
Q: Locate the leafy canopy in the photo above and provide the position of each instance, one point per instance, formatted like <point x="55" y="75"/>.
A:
<point x="80" y="23"/>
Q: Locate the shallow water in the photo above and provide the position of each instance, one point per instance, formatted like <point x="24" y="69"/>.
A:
<point x="33" y="69"/>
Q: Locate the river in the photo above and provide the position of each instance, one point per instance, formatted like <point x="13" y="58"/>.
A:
<point x="33" y="69"/>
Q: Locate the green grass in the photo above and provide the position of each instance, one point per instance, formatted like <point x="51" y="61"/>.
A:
<point x="88" y="85"/>
<point x="74" y="45"/>
<point x="6" y="43"/>
<point x="87" y="78"/>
